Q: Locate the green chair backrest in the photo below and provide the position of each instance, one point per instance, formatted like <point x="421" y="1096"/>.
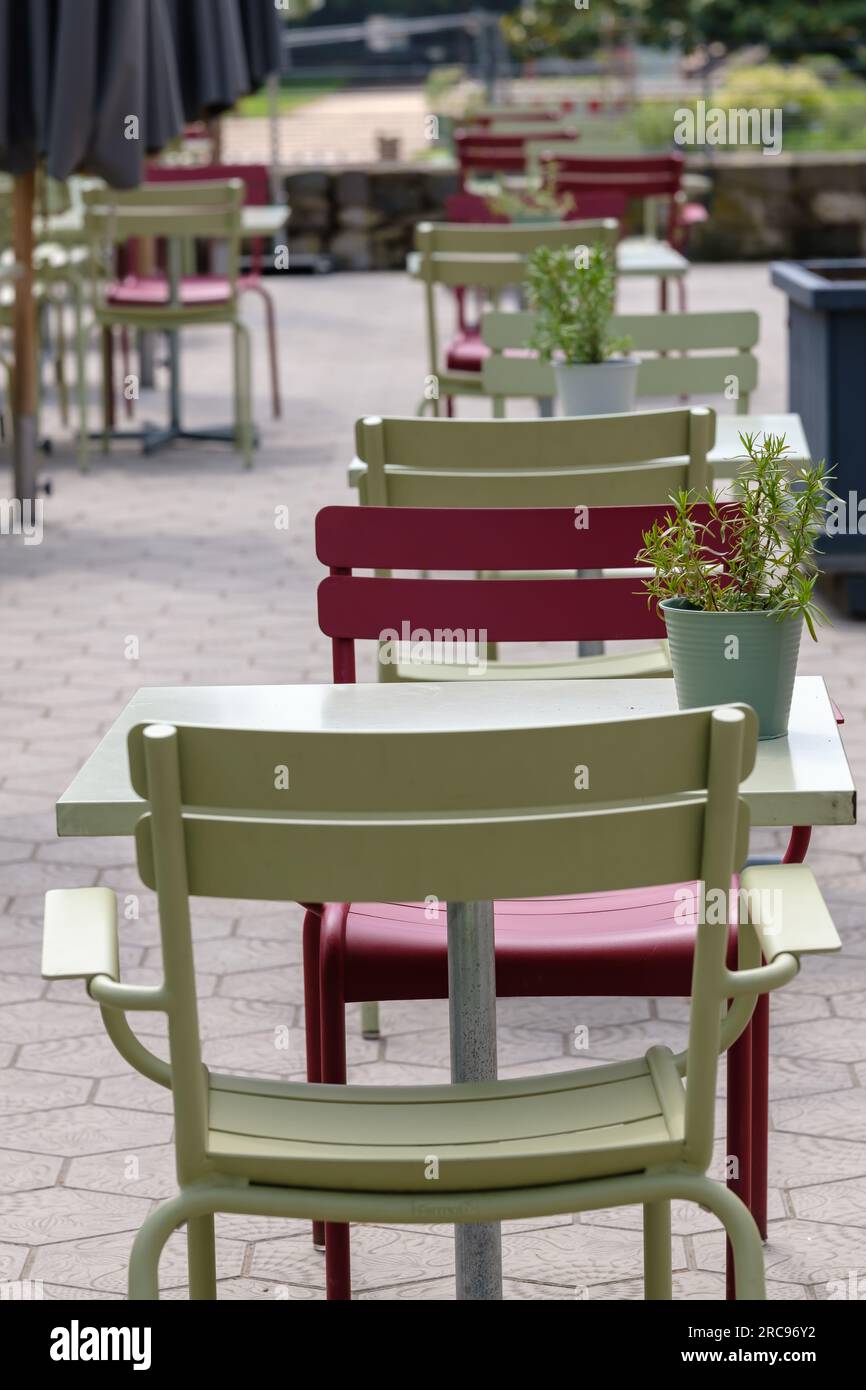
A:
<point x="715" y="355"/>
<point x="600" y="460"/>
<point x="177" y="211"/>
<point x="409" y="799"/>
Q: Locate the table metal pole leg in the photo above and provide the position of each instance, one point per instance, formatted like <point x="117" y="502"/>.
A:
<point x="472" y="1013"/>
<point x="590" y="648"/>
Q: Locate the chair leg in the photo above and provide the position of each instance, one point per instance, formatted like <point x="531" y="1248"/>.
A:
<point x="657" y="1273"/>
<point x="449" y="407"/>
<point x="743" y="1238"/>
<point x="312" y="1022"/>
<point x="760" y="1110"/>
<point x="107" y="389"/>
<point x="370" y="1019"/>
<point x="143" y="1279"/>
<point x="81" y="377"/>
<point x="243" y="393"/>
<point x="201" y="1257"/>
<point x="739" y="1127"/>
<point x="338" y="1271"/>
<point x="681" y="291"/>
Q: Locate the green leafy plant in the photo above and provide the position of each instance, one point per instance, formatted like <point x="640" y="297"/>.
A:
<point x="539" y="196"/>
<point x="572" y="291"/>
<point x="755" y="557"/>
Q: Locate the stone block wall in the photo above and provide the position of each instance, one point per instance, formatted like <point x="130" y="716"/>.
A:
<point x="761" y="208"/>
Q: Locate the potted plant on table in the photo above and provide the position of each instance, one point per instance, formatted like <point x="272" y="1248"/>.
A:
<point x="572" y="291"/>
<point x="735" y="590"/>
<point x="533" y="200"/>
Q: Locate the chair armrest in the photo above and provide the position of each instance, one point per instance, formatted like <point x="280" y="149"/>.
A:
<point x="79" y="935"/>
<point x="785" y="906"/>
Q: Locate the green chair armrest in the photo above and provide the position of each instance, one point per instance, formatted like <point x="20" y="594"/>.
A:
<point x="79" y="935"/>
<point x="784" y="904"/>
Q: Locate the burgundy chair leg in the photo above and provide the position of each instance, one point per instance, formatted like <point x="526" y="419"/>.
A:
<point x="760" y="1110"/>
<point x="739" y="1141"/>
<point x="312" y="1021"/>
<point x="681" y="291"/>
<point x="338" y="1269"/>
<point x="449" y="406"/>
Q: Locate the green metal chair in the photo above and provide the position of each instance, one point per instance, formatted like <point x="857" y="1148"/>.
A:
<point x="180" y="213"/>
<point x="478" y="816"/>
<point x="487" y="258"/>
<point x="714" y="355"/>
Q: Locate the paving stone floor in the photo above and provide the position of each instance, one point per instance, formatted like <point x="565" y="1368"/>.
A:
<point x="180" y="552"/>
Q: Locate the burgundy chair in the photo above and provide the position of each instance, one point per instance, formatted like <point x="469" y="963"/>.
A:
<point x="600" y="944"/>
<point x="634" y="176"/>
<point x="136" y="289"/>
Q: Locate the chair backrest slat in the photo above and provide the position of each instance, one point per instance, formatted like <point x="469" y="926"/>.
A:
<point x="457" y="859"/>
<point x="724" y="340"/>
<point x="396" y="754"/>
<point x="450" y="615"/>
<point x="489" y="538"/>
<point x="601" y="460"/>
<point x="503" y="610"/>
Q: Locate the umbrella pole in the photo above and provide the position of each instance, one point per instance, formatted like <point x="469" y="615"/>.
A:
<point x="24" y="331"/>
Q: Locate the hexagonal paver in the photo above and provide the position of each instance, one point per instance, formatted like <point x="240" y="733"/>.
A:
<point x="83" y="1129"/>
<point x="100" y="1264"/>
<point x="22" y="1171"/>
<point x="381" y="1255"/>
<point x="841" y="1202"/>
<point x="799" y="1252"/>
<point x="843" y="1116"/>
<point x="28" y="1090"/>
<point x="577" y="1257"/>
<point x="833" y="1039"/>
<point x="63" y="1213"/>
<point x="144" y="1172"/>
<point x="91" y="1055"/>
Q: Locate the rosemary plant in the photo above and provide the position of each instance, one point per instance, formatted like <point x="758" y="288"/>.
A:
<point x="573" y="298"/>
<point x="768" y="540"/>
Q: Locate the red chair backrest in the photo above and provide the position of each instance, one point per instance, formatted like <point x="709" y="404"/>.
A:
<point x="630" y="176"/>
<point x="353" y="607"/>
<point x="479" y="152"/>
<point x="255" y="178"/>
<point x="471" y="207"/>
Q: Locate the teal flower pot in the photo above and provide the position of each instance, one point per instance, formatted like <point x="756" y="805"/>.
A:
<point x="734" y="658"/>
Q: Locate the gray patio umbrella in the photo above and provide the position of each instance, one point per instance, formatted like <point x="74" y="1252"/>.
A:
<point x="84" y="85"/>
<point x="212" y="64"/>
<point x="262" y="39"/>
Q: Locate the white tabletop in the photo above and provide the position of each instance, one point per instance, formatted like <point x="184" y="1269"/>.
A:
<point x="803" y="779"/>
<point x="644" y="255"/>
<point x="264" y="219"/>
<point x="730" y="427"/>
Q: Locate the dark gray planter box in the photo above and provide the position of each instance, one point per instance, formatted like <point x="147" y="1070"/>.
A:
<point x="827" y="388"/>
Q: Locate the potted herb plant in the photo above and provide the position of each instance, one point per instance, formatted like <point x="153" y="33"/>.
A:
<point x="536" y="200"/>
<point x="736" y="590"/>
<point x="572" y="292"/>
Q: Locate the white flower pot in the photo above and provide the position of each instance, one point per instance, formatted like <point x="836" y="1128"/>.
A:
<point x="597" y="388"/>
